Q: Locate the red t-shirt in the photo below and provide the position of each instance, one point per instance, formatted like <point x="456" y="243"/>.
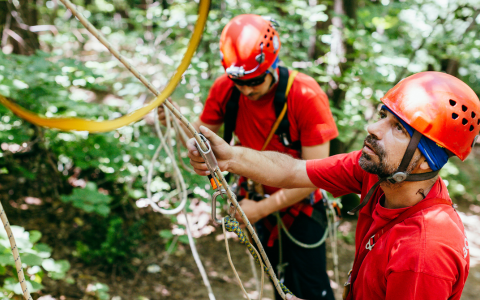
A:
<point x="309" y="114"/>
<point x="424" y="257"/>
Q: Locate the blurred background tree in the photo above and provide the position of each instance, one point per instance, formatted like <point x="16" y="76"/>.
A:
<point x="85" y="192"/>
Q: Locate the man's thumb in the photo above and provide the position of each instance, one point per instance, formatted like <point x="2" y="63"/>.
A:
<point x="211" y="136"/>
<point x="207" y="132"/>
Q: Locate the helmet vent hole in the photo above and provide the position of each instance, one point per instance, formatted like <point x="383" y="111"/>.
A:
<point x="471" y="127"/>
<point x="454" y="116"/>
<point x="271" y="38"/>
<point x="268" y="45"/>
<point x="453" y="102"/>
<point x="464" y="108"/>
<point x="268" y="29"/>
<point x="473" y="115"/>
<point x="478" y="122"/>
<point x="464" y="121"/>
<point x="265" y="36"/>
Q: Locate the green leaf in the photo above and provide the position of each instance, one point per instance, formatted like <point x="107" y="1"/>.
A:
<point x="35" y="236"/>
<point x="43" y="250"/>
<point x="89" y="199"/>
<point x="183" y="239"/>
<point x="7" y="260"/>
<point x="31" y="259"/>
<point x="59" y="266"/>
<point x="166" y="234"/>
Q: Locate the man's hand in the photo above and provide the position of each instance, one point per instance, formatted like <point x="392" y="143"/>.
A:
<point x="161" y="113"/>
<point x="252" y="209"/>
<point x="223" y="152"/>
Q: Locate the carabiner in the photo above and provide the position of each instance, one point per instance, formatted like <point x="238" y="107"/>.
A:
<point x="219" y="193"/>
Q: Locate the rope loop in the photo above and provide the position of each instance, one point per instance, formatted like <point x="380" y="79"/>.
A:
<point x="232" y="225"/>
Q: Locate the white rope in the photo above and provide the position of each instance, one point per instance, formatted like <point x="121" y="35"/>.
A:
<point x="180" y="184"/>
<point x="260" y="291"/>
<point x="297" y="242"/>
<point x="334" y="244"/>
<point x="203" y="5"/>
<point x="16" y="255"/>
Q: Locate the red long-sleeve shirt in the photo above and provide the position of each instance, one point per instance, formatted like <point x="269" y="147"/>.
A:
<point x="424" y="257"/>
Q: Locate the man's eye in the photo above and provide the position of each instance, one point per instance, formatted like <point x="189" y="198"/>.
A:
<point x="382" y="115"/>
<point x="399" y="127"/>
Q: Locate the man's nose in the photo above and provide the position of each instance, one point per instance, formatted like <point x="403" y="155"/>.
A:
<point x="377" y="129"/>
<point x="246" y="90"/>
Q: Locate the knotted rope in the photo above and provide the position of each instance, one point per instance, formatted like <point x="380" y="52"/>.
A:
<point x="232" y="225"/>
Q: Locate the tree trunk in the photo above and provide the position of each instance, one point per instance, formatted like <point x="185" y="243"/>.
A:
<point x="15" y="21"/>
<point x="338" y="53"/>
<point x="315" y="50"/>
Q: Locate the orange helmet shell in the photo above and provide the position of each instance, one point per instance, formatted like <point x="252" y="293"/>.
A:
<point x="441" y="107"/>
<point x="249" y="45"/>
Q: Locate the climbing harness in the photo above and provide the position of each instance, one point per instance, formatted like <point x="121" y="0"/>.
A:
<point x="103" y="126"/>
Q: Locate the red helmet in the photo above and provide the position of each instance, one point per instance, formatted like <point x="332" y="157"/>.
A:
<point x="249" y="45"/>
<point x="439" y="106"/>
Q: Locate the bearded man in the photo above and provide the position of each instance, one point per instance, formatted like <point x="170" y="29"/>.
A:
<point x="410" y="242"/>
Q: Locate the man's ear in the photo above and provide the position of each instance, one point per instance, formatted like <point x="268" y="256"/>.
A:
<point x="424" y="166"/>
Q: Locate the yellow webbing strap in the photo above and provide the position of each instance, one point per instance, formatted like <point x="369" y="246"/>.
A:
<point x="80" y="124"/>
<point x="291" y="78"/>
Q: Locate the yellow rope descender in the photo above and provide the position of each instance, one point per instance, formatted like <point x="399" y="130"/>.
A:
<point x="80" y="124"/>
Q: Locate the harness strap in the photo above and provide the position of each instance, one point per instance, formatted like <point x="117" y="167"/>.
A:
<point x="283" y="130"/>
<point x="424" y="204"/>
<point x="282" y="116"/>
<point x="231" y="115"/>
<point x="281" y="127"/>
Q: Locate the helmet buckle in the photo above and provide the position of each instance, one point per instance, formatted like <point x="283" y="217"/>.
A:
<point x="398" y="177"/>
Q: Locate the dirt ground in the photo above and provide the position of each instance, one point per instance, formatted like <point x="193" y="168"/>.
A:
<point x="156" y="276"/>
<point x="179" y="278"/>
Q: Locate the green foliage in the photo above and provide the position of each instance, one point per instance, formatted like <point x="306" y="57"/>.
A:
<point x="89" y="199"/>
<point x="118" y="246"/>
<point x="99" y="290"/>
<point x="73" y="75"/>
<point x="33" y="254"/>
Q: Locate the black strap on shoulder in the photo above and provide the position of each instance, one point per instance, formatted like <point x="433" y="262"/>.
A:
<point x="283" y="130"/>
<point x="231" y="112"/>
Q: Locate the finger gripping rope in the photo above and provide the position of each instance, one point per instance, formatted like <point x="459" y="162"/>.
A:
<point x="232" y="225"/>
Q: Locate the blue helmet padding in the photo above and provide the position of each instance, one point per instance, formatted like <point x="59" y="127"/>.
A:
<point x="436" y="156"/>
<point x="275" y="64"/>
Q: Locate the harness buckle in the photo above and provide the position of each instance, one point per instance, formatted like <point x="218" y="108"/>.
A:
<point x="284" y="138"/>
<point x="370" y="244"/>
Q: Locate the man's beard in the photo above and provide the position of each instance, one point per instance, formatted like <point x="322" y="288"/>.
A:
<point x="382" y="168"/>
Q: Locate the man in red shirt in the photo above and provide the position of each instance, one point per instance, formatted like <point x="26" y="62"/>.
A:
<point x="410" y="242"/>
<point x="248" y="99"/>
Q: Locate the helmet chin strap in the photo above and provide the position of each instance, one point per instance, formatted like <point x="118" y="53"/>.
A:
<point x="400" y="174"/>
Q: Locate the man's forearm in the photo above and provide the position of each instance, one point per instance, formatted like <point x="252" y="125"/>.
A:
<point x="269" y="168"/>
<point x="283" y="198"/>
